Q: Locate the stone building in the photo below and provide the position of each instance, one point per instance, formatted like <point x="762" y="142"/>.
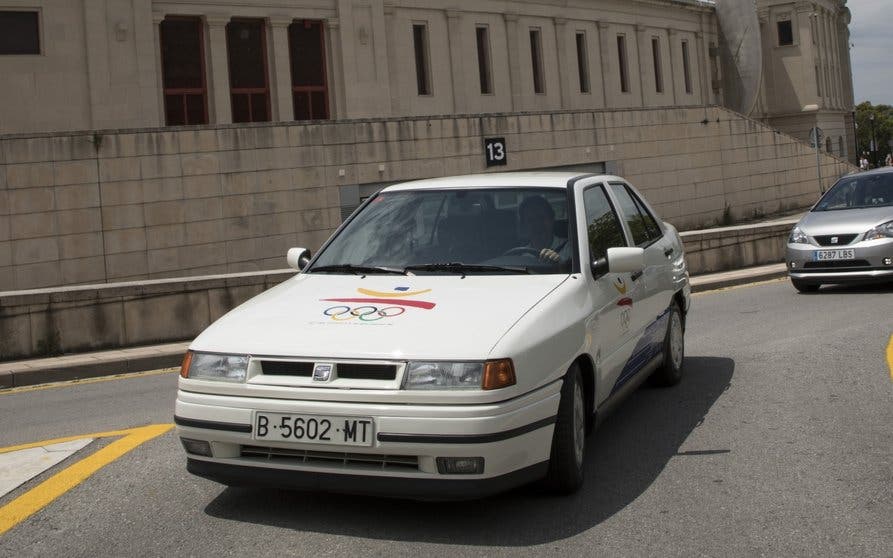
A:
<point x="159" y="138"/>
<point x="99" y="64"/>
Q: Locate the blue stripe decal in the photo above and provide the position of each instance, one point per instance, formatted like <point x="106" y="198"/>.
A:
<point x="648" y="347"/>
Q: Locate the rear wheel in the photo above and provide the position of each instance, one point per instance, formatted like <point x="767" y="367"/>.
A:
<point x="565" y="474"/>
<point x="670" y="372"/>
<point x="804" y="287"/>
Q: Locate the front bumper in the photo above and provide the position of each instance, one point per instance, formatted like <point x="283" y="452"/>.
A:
<point x="867" y="265"/>
<point x="513" y="437"/>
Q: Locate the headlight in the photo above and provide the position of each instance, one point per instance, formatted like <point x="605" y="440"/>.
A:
<point x="798" y="237"/>
<point x="207" y="366"/>
<point x="492" y="374"/>
<point x="880" y="231"/>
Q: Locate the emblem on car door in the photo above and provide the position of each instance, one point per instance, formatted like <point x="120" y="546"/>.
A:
<point x="620" y="285"/>
<point x="322" y="371"/>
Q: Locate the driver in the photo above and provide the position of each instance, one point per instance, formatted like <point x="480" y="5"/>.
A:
<point x="538" y="220"/>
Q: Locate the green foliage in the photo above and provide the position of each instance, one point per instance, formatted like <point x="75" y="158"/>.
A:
<point x="883" y="128"/>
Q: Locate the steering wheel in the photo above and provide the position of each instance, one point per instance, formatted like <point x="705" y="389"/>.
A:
<point x="523" y="250"/>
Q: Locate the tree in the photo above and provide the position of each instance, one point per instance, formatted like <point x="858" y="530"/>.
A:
<point x="882" y="129"/>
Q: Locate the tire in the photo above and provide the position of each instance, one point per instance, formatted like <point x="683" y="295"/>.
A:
<point x="565" y="474"/>
<point x="670" y="372"/>
<point x="804" y="287"/>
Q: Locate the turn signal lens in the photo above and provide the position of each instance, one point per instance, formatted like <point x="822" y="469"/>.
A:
<point x="184" y="368"/>
<point x="498" y="374"/>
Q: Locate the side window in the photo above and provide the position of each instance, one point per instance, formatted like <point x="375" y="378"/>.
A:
<point x="603" y="228"/>
<point x="642" y="225"/>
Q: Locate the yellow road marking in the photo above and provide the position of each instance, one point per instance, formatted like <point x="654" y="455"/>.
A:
<point x="54" y="385"/>
<point x="890" y="357"/>
<point x="46" y="492"/>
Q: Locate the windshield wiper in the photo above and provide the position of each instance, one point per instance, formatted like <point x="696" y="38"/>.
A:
<point x="358" y="269"/>
<point x="463" y="268"/>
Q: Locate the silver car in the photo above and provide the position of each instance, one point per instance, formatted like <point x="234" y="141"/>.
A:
<point x="847" y="237"/>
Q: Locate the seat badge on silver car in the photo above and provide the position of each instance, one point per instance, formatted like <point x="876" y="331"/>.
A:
<point x="833" y="240"/>
<point x="322" y="371"/>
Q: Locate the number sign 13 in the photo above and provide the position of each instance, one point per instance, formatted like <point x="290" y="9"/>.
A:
<point x="495" y="151"/>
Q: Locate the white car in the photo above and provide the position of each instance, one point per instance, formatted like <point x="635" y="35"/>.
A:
<point x="454" y="338"/>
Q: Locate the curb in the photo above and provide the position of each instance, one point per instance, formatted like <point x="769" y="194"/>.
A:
<point x="110" y="363"/>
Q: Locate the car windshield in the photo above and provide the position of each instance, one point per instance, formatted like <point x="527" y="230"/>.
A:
<point x="455" y="231"/>
<point x="860" y="191"/>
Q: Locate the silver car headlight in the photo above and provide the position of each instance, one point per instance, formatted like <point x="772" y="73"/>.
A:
<point x="209" y="366"/>
<point x="880" y="231"/>
<point x="492" y="374"/>
<point x="798" y="237"/>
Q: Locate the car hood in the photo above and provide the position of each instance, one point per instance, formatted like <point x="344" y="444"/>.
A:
<point x="844" y="221"/>
<point x="379" y="317"/>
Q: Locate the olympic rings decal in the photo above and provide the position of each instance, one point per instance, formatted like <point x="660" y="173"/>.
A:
<point x="365" y="313"/>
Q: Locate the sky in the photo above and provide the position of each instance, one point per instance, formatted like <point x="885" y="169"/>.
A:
<point x="871" y="34"/>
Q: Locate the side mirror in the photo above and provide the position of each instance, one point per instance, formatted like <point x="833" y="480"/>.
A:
<point x="298" y="258"/>
<point x="620" y="260"/>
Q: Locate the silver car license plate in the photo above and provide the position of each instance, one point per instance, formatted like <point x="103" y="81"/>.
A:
<point x="833" y="255"/>
<point x="313" y="429"/>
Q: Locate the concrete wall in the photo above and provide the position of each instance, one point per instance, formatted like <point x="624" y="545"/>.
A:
<point x="144" y="204"/>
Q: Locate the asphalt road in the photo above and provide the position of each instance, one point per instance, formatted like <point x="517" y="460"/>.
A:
<point x="778" y="442"/>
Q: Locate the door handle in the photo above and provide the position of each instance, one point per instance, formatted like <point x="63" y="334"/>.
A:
<point x="668" y="252"/>
<point x="636" y="275"/>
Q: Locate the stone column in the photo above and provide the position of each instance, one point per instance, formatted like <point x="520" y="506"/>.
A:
<point x="823" y="57"/>
<point x="457" y="67"/>
<point x="835" y="59"/>
<point x="604" y="56"/>
<point x="511" y="34"/>
<point x="335" y="71"/>
<point x="640" y="59"/>
<point x="808" y="46"/>
<point x="703" y="69"/>
<point x="280" y="69"/>
<point x="565" y="64"/>
<point x="672" y="35"/>
<point x="218" y="78"/>
<point x="157" y="18"/>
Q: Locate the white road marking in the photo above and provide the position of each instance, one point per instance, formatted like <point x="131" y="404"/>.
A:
<point x="18" y="467"/>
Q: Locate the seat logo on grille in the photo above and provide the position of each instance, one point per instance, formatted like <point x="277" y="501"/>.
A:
<point x="833" y="240"/>
<point x="322" y="371"/>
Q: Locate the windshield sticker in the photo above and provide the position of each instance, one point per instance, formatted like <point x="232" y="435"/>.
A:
<point x="376" y="305"/>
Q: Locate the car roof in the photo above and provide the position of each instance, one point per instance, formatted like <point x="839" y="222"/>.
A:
<point x="542" y="179"/>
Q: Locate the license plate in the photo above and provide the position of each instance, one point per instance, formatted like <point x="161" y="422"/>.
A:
<point x="831" y="255"/>
<point x="313" y="429"/>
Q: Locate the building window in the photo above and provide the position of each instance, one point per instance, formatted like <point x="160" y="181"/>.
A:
<point x="818" y="82"/>
<point x="536" y="58"/>
<point x="658" y="70"/>
<point x="19" y="32"/>
<point x="828" y="145"/>
<point x="250" y="89"/>
<point x="310" y="94"/>
<point x="183" y="71"/>
<point x="483" y="40"/>
<point x="686" y="67"/>
<point x="583" y="62"/>
<point x="420" y="44"/>
<point x="840" y="150"/>
<point x="622" y="61"/>
<point x="785" y="33"/>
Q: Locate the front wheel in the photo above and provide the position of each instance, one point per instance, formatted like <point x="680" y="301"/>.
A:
<point x="565" y="474"/>
<point x="670" y="372"/>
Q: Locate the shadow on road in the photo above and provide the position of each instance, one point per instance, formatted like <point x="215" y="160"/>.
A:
<point x="625" y="455"/>
<point x="874" y="288"/>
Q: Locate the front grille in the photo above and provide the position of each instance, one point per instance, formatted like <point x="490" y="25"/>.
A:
<point x="837" y="264"/>
<point x="345" y="370"/>
<point x="352" y="371"/>
<point x="332" y="459"/>
<point x="282" y="368"/>
<point x="842" y="239"/>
